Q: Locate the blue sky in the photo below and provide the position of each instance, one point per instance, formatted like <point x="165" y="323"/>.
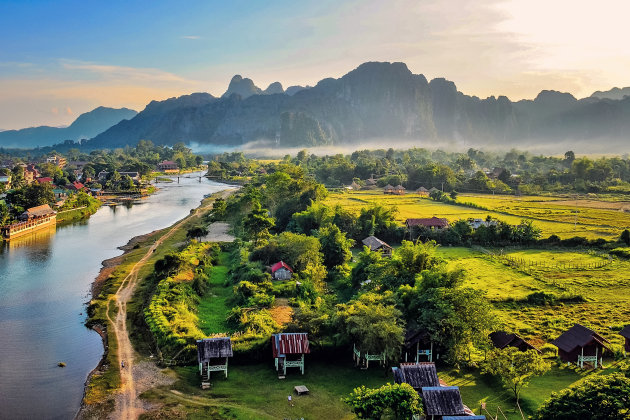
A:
<point x="61" y="58"/>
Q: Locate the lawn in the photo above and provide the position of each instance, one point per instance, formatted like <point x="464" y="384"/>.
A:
<point x="550" y="214"/>
<point x="214" y="306"/>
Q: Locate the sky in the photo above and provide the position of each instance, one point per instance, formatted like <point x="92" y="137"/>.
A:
<point x="61" y="58"/>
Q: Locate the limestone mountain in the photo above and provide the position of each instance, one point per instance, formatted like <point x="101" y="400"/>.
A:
<point x="373" y="101"/>
<point x="614" y="93"/>
<point x="86" y="126"/>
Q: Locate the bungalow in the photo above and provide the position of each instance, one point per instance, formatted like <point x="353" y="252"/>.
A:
<point x="440" y="401"/>
<point x="76" y="186"/>
<point x="355" y="186"/>
<point x="625" y="333"/>
<point x="422" y="191"/>
<point x="168" y="166"/>
<point x="580" y="344"/>
<point x="388" y="189"/>
<point x="363" y="359"/>
<point x="45" y="180"/>
<point x="418" y="375"/>
<point x="431" y="223"/>
<point x="288" y="351"/>
<point x="376" y="244"/>
<point x="281" y="271"/>
<point x="399" y="190"/>
<point x="212" y="356"/>
<point x="501" y="340"/>
<point x="417" y="344"/>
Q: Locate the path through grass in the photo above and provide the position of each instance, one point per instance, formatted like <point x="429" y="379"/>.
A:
<point x="214" y="306"/>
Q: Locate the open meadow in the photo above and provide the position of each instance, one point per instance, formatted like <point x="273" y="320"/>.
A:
<point x="553" y="215"/>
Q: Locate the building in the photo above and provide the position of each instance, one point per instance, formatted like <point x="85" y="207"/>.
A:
<point x="501" y="340"/>
<point x="440" y="401"/>
<point x="388" y="189"/>
<point x="363" y="359"/>
<point x="430" y="223"/>
<point x="57" y="160"/>
<point x="168" y="166"/>
<point x="417" y="345"/>
<point x="580" y="344"/>
<point x="76" y="186"/>
<point x="625" y="333"/>
<point x="432" y="190"/>
<point x="45" y="180"/>
<point x="418" y="375"/>
<point x="32" y="219"/>
<point x="133" y="175"/>
<point x="354" y="186"/>
<point x="102" y="176"/>
<point x="288" y="351"/>
<point x="399" y="190"/>
<point x="212" y="356"/>
<point x="422" y="192"/>
<point x="281" y="271"/>
<point x="376" y="244"/>
<point x="477" y="223"/>
<point x="370" y="182"/>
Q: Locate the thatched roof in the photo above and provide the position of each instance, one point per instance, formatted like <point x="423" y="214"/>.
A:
<point x="209" y="348"/>
<point x="625" y="332"/>
<point x="577" y="336"/>
<point x="418" y="375"/>
<point x="388" y="187"/>
<point x="399" y="187"/>
<point x="422" y="190"/>
<point x="433" y="189"/>
<point x="442" y="401"/>
<point x="39" y="211"/>
<point x="374" y="243"/>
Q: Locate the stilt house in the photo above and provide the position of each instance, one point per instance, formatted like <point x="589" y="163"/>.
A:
<point x="440" y="401"/>
<point x="418" y="375"/>
<point x="363" y="359"/>
<point x="289" y="350"/>
<point x="625" y="333"/>
<point x="501" y="340"/>
<point x="580" y="344"/>
<point x="212" y="356"/>
<point x="376" y="244"/>
<point x="418" y="346"/>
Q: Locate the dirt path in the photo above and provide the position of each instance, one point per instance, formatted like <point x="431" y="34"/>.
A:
<point x="127" y="406"/>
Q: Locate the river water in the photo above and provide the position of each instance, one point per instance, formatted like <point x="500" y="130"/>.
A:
<point x="45" y="281"/>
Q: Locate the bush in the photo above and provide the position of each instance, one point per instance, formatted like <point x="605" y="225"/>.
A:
<point x="549" y="351"/>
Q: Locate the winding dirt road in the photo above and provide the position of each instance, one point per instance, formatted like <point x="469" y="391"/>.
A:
<point x="127" y="405"/>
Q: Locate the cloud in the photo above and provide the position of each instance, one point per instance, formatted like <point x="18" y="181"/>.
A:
<point x="190" y="37"/>
<point x="123" y="73"/>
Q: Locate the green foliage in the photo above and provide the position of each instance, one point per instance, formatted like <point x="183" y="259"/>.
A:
<point x="398" y="401"/>
<point x="515" y="368"/>
<point x="335" y="246"/>
<point x="625" y="237"/>
<point x="598" y="398"/>
<point x="257" y="224"/>
<point x="32" y="195"/>
<point x="197" y="231"/>
<point x="297" y="250"/>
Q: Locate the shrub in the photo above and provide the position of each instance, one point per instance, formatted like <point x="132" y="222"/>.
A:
<point x="549" y="351"/>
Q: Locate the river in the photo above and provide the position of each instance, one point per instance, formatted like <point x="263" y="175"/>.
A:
<point x="45" y="283"/>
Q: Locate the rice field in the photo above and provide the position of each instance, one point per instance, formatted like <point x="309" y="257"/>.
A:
<point x="553" y="215"/>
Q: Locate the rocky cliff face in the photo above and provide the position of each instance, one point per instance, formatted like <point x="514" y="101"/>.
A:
<point x="376" y="100"/>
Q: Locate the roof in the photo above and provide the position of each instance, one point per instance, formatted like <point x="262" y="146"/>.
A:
<point x="374" y="243"/>
<point x="39" y="211"/>
<point x="433" y="189"/>
<point x="76" y="185"/>
<point x="418" y="375"/>
<point x="44" y="179"/>
<point x="428" y="222"/>
<point x="167" y="162"/>
<point x="422" y="189"/>
<point x="501" y="339"/>
<point x="388" y="187"/>
<point x="213" y="347"/>
<point x="280" y="265"/>
<point x="625" y="332"/>
<point x="577" y="336"/>
<point x="416" y="336"/>
<point x="289" y="343"/>
<point x="442" y="401"/>
<point x="399" y="187"/>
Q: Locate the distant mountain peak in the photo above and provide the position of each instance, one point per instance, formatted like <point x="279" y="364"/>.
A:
<point x="273" y="88"/>
<point x="614" y="93"/>
<point x="243" y="87"/>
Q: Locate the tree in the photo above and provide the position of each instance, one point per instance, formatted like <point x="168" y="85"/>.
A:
<point x="597" y="398"/>
<point x="373" y="324"/>
<point x="197" y="232"/>
<point x="401" y="401"/>
<point x="515" y="368"/>
<point x="257" y="223"/>
<point x="335" y="246"/>
<point x="625" y="236"/>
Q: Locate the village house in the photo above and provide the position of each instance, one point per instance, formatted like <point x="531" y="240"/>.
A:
<point x="580" y="344"/>
<point x="75" y="186"/>
<point x="133" y="175"/>
<point x="376" y="244"/>
<point x="417" y="345"/>
<point x="288" y="351"/>
<point x="423" y="192"/>
<point x="399" y="190"/>
<point x="168" y="166"/>
<point x="440" y="401"/>
<point x="45" y="180"/>
<point x="57" y="160"/>
<point x="78" y="164"/>
<point x="281" y="271"/>
<point x="501" y="340"/>
<point x="418" y="375"/>
<point x="388" y="189"/>
<point x="363" y="359"/>
<point x="625" y="333"/>
<point x="212" y="356"/>
<point x="432" y="190"/>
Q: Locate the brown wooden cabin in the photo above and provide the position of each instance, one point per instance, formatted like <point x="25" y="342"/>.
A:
<point x="625" y="333"/>
<point x="212" y="356"/>
<point x="399" y="190"/>
<point x="376" y="244"/>
<point x="417" y="345"/>
<point x="418" y="375"/>
<point x="289" y="350"/>
<point x="579" y="345"/>
<point x="389" y="189"/>
<point x="422" y="191"/>
<point x="501" y="340"/>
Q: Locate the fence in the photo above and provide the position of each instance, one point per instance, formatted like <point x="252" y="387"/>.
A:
<point x="523" y="263"/>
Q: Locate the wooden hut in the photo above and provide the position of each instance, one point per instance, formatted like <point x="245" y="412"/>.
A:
<point x="440" y="401"/>
<point x="376" y="244"/>
<point x="354" y="186"/>
<point x="281" y="271"/>
<point x="580" y="344"/>
<point x="388" y="189"/>
<point x="625" y="333"/>
<point x="399" y="190"/>
<point x="363" y="359"/>
<point x="501" y="340"/>
<point x="417" y="345"/>
<point x="288" y="351"/>
<point x="422" y="191"/>
<point x="418" y="375"/>
<point x="212" y="356"/>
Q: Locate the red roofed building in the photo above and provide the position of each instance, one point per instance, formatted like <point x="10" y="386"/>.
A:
<point x="45" y="180"/>
<point x="281" y="271"/>
<point x="289" y="350"/>
<point x="168" y="166"/>
<point x="76" y="186"/>
<point x="433" y="222"/>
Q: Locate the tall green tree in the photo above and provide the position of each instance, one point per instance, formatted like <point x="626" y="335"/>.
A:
<point x="257" y="223"/>
<point x="335" y="246"/>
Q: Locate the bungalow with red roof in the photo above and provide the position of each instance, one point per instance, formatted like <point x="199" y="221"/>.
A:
<point x="281" y="271"/>
<point x="76" y="186"/>
<point x="168" y="166"/>
<point x="289" y="350"/>
<point x="45" y="180"/>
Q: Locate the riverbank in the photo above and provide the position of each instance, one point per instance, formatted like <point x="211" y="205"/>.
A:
<point x="101" y="394"/>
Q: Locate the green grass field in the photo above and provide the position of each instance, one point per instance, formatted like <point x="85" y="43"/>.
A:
<point x="214" y="306"/>
<point x="553" y="215"/>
